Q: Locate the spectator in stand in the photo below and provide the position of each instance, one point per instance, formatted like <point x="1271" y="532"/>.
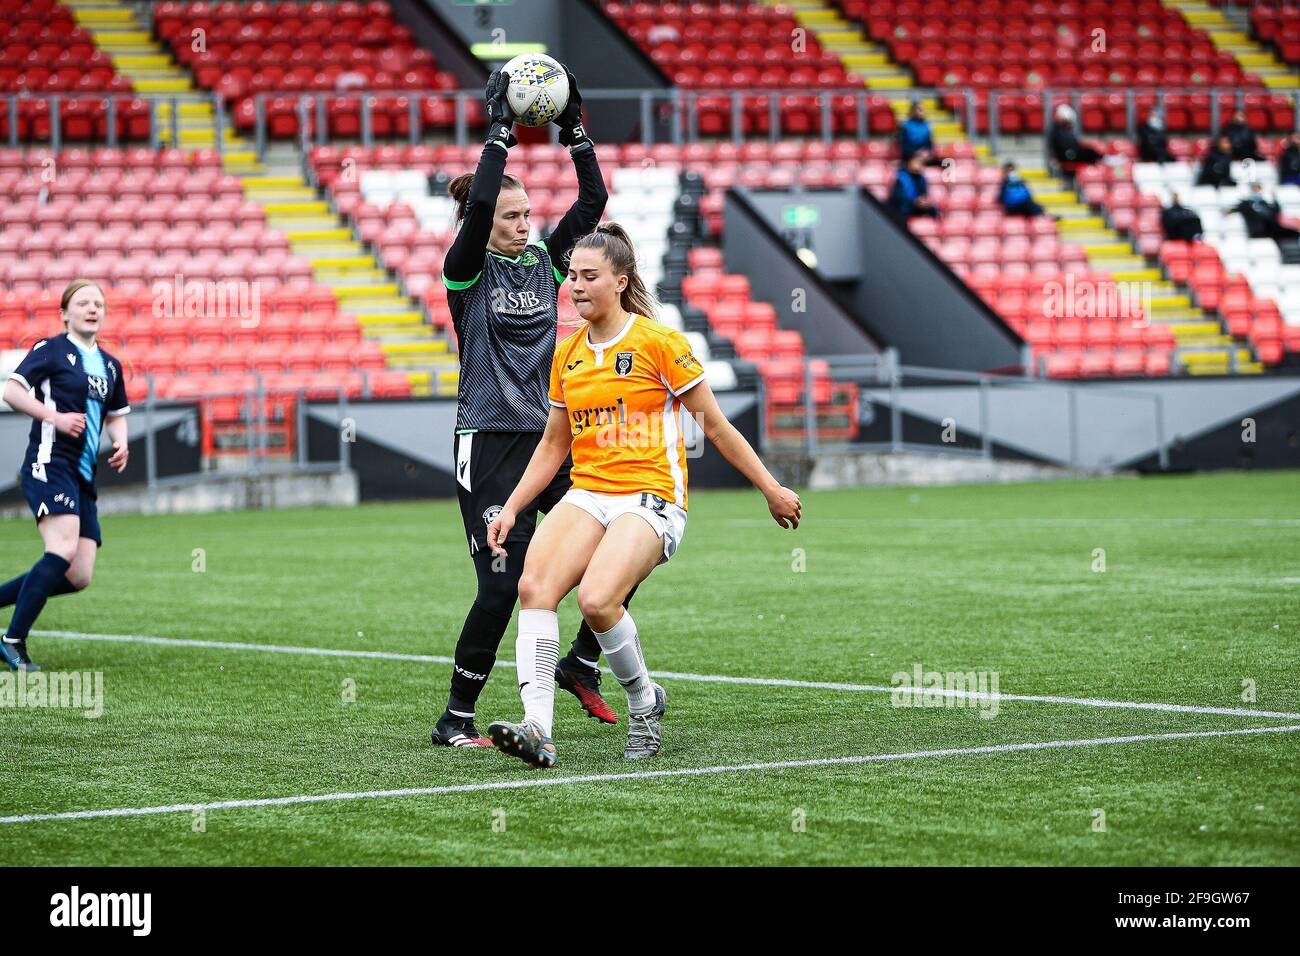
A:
<point x="1242" y="139"/>
<point x="909" y="196"/>
<point x="1179" y="222"/>
<point x="1262" y="217"/>
<point x="914" y="134"/>
<point x="1153" y="141"/>
<point x="1015" y="196"/>
<point x="1064" y="143"/>
<point x="662" y="33"/>
<point x="1288" y="162"/>
<point x="1216" y="167"/>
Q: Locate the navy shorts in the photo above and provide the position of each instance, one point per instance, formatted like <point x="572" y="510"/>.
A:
<point x="63" y="492"/>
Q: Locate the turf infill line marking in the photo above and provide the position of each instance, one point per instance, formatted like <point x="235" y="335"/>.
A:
<point x="553" y="781"/>
<point x="698" y="678"/>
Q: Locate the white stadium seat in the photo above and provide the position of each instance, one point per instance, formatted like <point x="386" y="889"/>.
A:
<point x="720" y="375"/>
<point x="699" y="345"/>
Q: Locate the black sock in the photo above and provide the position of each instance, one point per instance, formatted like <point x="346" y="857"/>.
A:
<point x="485" y="626"/>
<point x="38" y="584"/>
<point x="585" y="647"/>
<point x="10" y="589"/>
<point x="476" y="652"/>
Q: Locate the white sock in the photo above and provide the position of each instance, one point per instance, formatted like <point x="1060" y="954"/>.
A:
<point x="537" y="650"/>
<point x="623" y="654"/>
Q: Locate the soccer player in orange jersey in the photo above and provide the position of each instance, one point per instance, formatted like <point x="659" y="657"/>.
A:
<point x="616" y="388"/>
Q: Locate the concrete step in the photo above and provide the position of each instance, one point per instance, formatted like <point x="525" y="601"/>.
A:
<point x="899" y="82"/>
<point x="341" y="262"/>
<point x="1139" y="275"/>
<point x="381" y="294"/>
<point x="179" y="85"/>
<point x="1104" y="249"/>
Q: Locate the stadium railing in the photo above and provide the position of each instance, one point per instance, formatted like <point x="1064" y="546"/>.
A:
<point x="1136" y="99"/>
<point x="117" y="106"/>
<point x="670" y="116"/>
<point x="259" y="456"/>
<point x="881" y="380"/>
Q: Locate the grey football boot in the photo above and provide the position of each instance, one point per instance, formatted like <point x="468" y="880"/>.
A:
<point x="643" y="730"/>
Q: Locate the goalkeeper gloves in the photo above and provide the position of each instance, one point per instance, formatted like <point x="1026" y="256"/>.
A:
<point x="500" y="119"/>
<point x="572" y="132"/>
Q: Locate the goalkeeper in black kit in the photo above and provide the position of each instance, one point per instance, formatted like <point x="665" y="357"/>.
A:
<point x="502" y="290"/>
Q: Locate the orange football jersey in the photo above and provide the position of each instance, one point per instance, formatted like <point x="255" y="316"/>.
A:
<point x="622" y="403"/>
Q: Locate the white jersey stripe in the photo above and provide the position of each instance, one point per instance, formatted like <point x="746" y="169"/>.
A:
<point x="670" y="447"/>
<point x="47" y="428"/>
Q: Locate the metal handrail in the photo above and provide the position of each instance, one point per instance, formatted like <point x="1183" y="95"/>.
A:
<point x="677" y="107"/>
<point x="889" y="372"/>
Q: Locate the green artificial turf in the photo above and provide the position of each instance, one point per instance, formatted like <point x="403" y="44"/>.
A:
<point x="1200" y="592"/>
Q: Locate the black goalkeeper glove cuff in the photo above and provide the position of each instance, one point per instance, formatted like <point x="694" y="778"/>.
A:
<point x="572" y="132"/>
<point x="500" y="120"/>
<point x="502" y="133"/>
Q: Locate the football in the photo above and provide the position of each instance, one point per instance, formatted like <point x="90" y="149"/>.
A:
<point x="539" y="88"/>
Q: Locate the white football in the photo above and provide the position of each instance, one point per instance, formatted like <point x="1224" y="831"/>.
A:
<point x="539" y="88"/>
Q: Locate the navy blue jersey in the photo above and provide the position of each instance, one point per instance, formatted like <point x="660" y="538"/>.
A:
<point x="69" y="379"/>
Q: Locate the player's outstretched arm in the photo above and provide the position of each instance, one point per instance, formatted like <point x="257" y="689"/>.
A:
<point x="546" y="461"/>
<point x="20" y="400"/>
<point x="464" y="259"/>
<point x="782" y="502"/>
<point x="584" y="215"/>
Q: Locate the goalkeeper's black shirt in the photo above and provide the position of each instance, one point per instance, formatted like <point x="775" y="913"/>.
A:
<point x="503" y="309"/>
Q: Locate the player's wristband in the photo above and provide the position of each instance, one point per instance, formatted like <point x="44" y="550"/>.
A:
<point x="503" y="134"/>
<point x="574" y="137"/>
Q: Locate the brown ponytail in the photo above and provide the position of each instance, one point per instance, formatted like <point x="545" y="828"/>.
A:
<point x="613" y="240"/>
<point x="458" y="189"/>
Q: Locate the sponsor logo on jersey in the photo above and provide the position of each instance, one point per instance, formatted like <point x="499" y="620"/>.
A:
<point x="72" y="358"/>
<point x="584" y="418"/>
<point x="572" y="365"/>
<point x="98" y="387"/>
<point x="686" y="360"/>
<point x="623" y="363"/>
<point x="523" y="302"/>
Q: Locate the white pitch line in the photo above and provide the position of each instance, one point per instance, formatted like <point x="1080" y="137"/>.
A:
<point x="699" y="678"/>
<point x="552" y="781"/>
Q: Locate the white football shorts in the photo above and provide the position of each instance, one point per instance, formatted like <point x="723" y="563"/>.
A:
<point x="667" y="519"/>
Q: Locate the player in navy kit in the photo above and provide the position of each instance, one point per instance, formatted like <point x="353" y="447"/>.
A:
<point x="70" y="387"/>
<point x="502" y="291"/>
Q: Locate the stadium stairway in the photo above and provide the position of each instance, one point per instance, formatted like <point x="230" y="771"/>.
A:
<point x="1201" y="342"/>
<point x="361" y="286"/>
<point x="871" y="61"/>
<point x="117" y="28"/>
<point x="360" y="283"/>
<point x="1229" y="30"/>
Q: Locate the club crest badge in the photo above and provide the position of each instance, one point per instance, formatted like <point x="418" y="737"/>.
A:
<point x="623" y="363"/>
